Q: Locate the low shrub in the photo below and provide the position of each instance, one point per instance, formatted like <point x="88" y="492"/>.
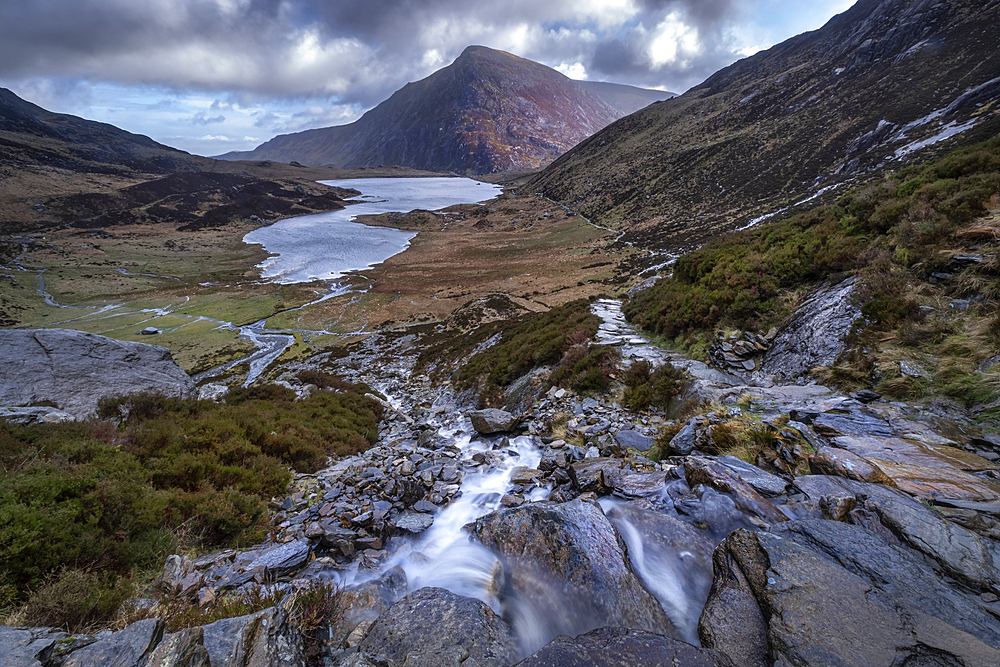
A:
<point x="88" y="501"/>
<point x="647" y="387"/>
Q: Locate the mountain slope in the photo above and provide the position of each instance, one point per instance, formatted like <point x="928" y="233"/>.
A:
<point x="30" y="136"/>
<point x="487" y="112"/>
<point x="627" y="99"/>
<point x="870" y="89"/>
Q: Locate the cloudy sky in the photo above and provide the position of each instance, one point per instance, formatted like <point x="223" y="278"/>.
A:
<point x="210" y="76"/>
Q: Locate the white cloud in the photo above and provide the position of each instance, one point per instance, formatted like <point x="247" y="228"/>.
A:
<point x="675" y="43"/>
<point x="572" y="70"/>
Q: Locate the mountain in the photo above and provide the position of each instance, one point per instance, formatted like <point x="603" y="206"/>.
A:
<point x="627" y="99"/>
<point x="30" y="136"/>
<point x="489" y="111"/>
<point x="880" y="84"/>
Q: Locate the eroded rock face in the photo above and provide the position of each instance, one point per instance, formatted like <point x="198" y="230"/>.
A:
<point x="566" y="561"/>
<point x="833" y="593"/>
<point x="434" y="627"/>
<point x="75" y="369"/>
<point x="614" y="647"/>
<point x="815" y="334"/>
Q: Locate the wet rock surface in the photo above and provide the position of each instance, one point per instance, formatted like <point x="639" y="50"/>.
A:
<point x="857" y="531"/>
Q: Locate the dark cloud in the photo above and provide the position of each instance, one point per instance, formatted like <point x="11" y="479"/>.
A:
<point x="341" y="57"/>
<point x="202" y="118"/>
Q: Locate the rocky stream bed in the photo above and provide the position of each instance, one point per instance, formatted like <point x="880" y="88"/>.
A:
<point x="866" y="535"/>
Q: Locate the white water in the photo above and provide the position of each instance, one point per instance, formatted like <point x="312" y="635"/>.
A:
<point x="325" y="246"/>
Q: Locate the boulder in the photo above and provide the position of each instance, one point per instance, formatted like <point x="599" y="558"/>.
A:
<point x="280" y="561"/>
<point x="814" y="336"/>
<point x="673" y="560"/>
<point x="127" y="648"/>
<point x="614" y="647"/>
<point x="263" y="638"/>
<point x="634" y="440"/>
<point x="434" y="627"/>
<point x="595" y="474"/>
<point x="715" y="475"/>
<point x="492" y="420"/>
<point x="832" y="593"/>
<point x="566" y="573"/>
<point x="29" y="647"/>
<point x="181" y="649"/>
<point x="762" y="481"/>
<point x="75" y="369"/>
<point x="413" y="522"/>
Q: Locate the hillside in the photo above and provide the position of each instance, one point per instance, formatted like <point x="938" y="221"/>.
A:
<point x="31" y="137"/>
<point x="878" y="85"/>
<point x="487" y="112"/>
<point x="627" y="99"/>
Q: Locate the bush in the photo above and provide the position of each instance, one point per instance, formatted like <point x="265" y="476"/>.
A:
<point x="85" y="500"/>
<point x="647" y="387"/>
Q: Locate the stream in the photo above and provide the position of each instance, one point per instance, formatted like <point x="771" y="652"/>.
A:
<point x="483" y="469"/>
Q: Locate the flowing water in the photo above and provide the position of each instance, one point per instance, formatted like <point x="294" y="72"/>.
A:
<point x="447" y="556"/>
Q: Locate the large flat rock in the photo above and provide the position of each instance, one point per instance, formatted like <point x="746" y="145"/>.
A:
<point x="75" y="369"/>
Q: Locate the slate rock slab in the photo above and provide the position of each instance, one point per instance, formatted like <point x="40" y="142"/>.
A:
<point x="835" y="594"/>
<point x="75" y="369"/>
<point x="616" y="647"/>
<point x="434" y="627"/>
<point x="566" y="572"/>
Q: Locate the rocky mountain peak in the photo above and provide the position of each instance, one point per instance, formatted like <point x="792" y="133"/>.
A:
<point x="488" y="111"/>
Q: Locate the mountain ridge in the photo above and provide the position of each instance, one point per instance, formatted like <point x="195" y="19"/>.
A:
<point x="880" y="81"/>
<point x="489" y="111"/>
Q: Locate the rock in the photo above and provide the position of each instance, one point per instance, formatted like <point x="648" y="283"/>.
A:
<point x="814" y="335"/>
<point x="259" y="639"/>
<point x="34" y="415"/>
<point x="522" y="475"/>
<point x="715" y="475"/>
<point x="634" y="440"/>
<point x="594" y="473"/>
<point x="491" y="420"/>
<point x="564" y="563"/>
<point x="29" y="647"/>
<point x="685" y="441"/>
<point x="673" y="560"/>
<point x="731" y="620"/>
<point x="924" y="469"/>
<point x="628" y="484"/>
<point x="359" y="605"/>
<point x="75" y="369"/>
<point x="715" y="511"/>
<point x="962" y="553"/>
<point x="181" y="649"/>
<point x="616" y="647"/>
<point x="433" y="627"/>
<point x="844" y="463"/>
<point x="832" y="593"/>
<point x="763" y="482"/>
<point x="127" y="648"/>
<point x="414" y="522"/>
<point x="280" y="561"/>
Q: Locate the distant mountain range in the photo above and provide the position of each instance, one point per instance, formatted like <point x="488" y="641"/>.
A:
<point x="489" y="111"/>
<point x="880" y="84"/>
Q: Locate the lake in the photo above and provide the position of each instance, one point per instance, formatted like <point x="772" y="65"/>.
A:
<point x="325" y="246"/>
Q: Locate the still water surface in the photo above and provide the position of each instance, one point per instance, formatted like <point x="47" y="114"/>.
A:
<point x="324" y="246"/>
